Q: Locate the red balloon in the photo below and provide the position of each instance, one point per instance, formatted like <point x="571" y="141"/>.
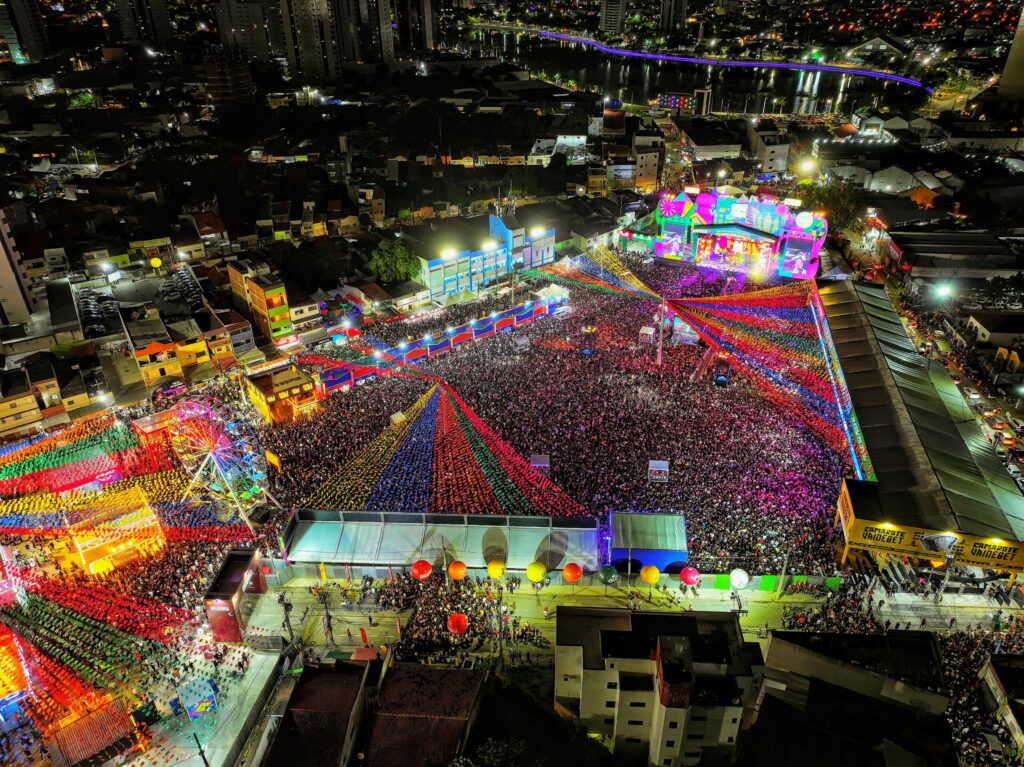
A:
<point x="458" y="623"/>
<point x="421" y="569"/>
<point x="572" y="572"/>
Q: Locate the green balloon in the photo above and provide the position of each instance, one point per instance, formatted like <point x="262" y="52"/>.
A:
<point x="607" y="575"/>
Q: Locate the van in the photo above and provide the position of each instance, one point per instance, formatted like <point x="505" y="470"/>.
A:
<point x="1016" y="424"/>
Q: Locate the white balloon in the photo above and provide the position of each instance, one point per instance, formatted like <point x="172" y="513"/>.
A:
<point x="739" y="578"/>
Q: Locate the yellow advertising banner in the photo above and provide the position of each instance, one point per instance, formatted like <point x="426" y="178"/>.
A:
<point x="323" y="572"/>
<point x="903" y="540"/>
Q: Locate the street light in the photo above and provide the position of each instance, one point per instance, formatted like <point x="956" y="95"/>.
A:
<point x="944" y="291"/>
<point x="448" y="254"/>
<point x="490" y="245"/>
<point x="808" y="166"/>
<point x="722" y="172"/>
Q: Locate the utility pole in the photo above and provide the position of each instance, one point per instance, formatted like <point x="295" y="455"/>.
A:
<point x="782" y="575"/>
<point x="661" y="329"/>
<point x="202" y="753"/>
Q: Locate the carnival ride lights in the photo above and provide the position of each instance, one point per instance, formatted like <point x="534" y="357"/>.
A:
<point x="219" y="449"/>
<point x="733" y="63"/>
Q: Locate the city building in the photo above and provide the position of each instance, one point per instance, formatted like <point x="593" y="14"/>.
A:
<point x="15" y="300"/>
<point x="228" y="78"/>
<point x="673" y="15"/>
<point x="665" y="689"/>
<point x="613" y="16"/>
<point x="268" y="307"/>
<point x="23" y="31"/>
<point x="145" y="20"/>
<point x="310" y="40"/>
<point x="415" y="24"/>
<point x="867" y="699"/>
<point x="249" y="26"/>
<point x="1002" y="679"/>
<point x="1011" y="83"/>
<point x="377" y="39"/>
<point x="19" y="410"/>
<point x="768" y="145"/>
<point x="239" y="273"/>
<point x="282" y="395"/>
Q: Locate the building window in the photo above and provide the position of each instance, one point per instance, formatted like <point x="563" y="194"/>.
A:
<point x="613" y="685"/>
<point x="609" y="721"/>
<point x="734" y="720"/>
<point x="609" y="704"/>
<point x="697" y="718"/>
<point x="673" y="725"/>
<point x="635" y="723"/>
<point x="731" y="739"/>
<point x="670" y="744"/>
<point x="632" y="740"/>
<point x="638" y="704"/>
<point x="695" y="736"/>
<point x="667" y="762"/>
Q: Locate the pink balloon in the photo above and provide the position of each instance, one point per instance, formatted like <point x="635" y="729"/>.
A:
<point x="690" y="576"/>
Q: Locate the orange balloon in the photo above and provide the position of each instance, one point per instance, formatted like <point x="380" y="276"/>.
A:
<point x="457" y="570"/>
<point x="572" y="572"/>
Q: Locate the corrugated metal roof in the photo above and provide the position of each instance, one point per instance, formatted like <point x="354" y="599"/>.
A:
<point x="934" y="468"/>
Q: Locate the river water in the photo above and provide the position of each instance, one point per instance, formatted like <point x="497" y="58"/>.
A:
<point x="732" y="90"/>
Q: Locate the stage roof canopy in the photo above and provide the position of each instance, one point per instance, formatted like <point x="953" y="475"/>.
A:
<point x="648" y="532"/>
<point x="382" y="539"/>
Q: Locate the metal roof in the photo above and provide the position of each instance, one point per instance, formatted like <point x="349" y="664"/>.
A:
<point x="935" y="469"/>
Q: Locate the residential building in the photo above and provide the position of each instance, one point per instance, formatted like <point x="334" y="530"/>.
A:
<point x="1011" y="83"/>
<point x="880" y="45"/>
<point x="768" y="145"/>
<point x="890" y="689"/>
<point x="309" y="38"/>
<point x="246" y="27"/>
<point x="346" y="22"/>
<point x="648" y="169"/>
<point x="1002" y="679"/>
<point x="19" y="410"/>
<point x="23" y="30"/>
<point x="996" y="328"/>
<point x="145" y="250"/>
<point x="527" y="248"/>
<point x="377" y="40"/>
<point x="268" y="307"/>
<point x="657" y="688"/>
<point x="239" y="272"/>
<point x="707" y="137"/>
<point x="673" y="15"/>
<point x="613" y="16"/>
<point x="15" y="299"/>
<point x="283" y="395"/>
<point x="145" y="20"/>
<point x="415" y="24"/>
<point x="228" y="78"/>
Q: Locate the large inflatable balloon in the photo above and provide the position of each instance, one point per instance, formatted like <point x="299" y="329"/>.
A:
<point x="496" y="568"/>
<point x="457" y="570"/>
<point x="607" y="575"/>
<point x="536" y="572"/>
<point x="739" y="578"/>
<point x="650" y="575"/>
<point x="690" y="576"/>
<point x="421" y="569"/>
<point x="572" y="572"/>
<point x="458" y="623"/>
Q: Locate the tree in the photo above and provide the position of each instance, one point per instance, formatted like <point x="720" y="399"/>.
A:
<point x="837" y="201"/>
<point x="392" y="261"/>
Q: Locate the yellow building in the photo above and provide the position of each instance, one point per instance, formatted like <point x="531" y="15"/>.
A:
<point x="283" y="395"/>
<point x="19" y="410"/>
<point x="158" y="360"/>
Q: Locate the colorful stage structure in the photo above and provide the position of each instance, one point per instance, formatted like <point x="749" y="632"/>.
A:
<point x="741" y="234"/>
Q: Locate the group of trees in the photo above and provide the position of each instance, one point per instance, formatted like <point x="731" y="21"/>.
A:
<point x="391" y="261"/>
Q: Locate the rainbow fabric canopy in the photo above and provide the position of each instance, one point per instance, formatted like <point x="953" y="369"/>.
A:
<point x="779" y="338"/>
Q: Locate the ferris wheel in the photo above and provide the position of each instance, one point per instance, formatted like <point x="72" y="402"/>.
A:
<point x="220" y="451"/>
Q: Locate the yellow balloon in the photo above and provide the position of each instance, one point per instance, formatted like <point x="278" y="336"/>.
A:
<point x="496" y="568"/>
<point x="156" y="263"/>
<point x="536" y="572"/>
<point x="650" y="575"/>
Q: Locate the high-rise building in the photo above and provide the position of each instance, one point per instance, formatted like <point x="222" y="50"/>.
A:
<point x="15" y="299"/>
<point x="346" y="25"/>
<point x="1011" y="84"/>
<point x="377" y="41"/>
<point x="245" y="26"/>
<point x="613" y="15"/>
<point x="144" y="20"/>
<point x="673" y="15"/>
<point x="228" y="78"/>
<point x="310" y="41"/>
<point x="415" y="24"/>
<point x="23" y="31"/>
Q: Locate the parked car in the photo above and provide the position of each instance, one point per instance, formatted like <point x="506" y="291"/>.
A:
<point x="970" y="393"/>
